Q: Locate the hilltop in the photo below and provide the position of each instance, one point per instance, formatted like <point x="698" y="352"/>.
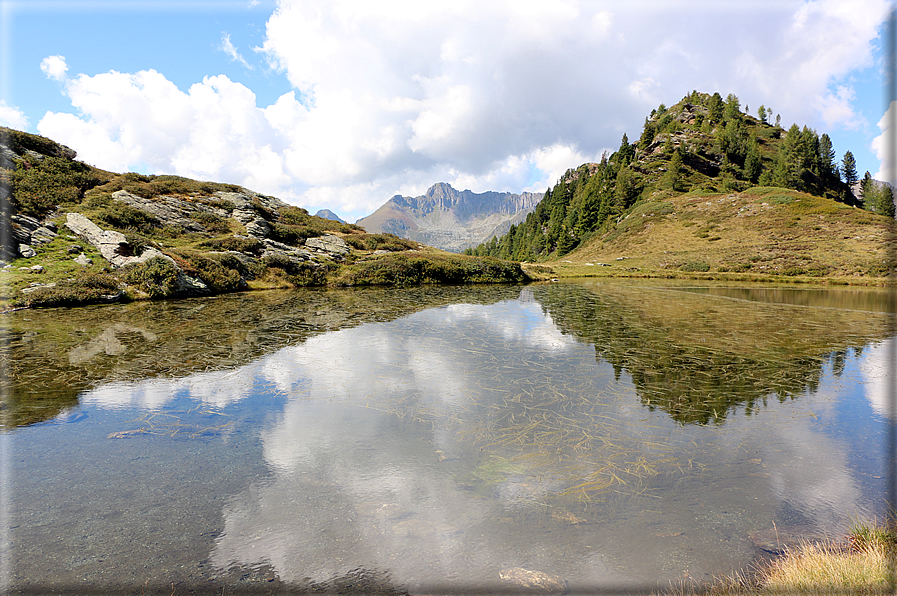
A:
<point x="77" y="234"/>
<point x="450" y="219"/>
<point x="709" y="190"/>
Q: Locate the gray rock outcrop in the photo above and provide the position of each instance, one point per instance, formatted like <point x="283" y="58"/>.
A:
<point x="169" y="211"/>
<point x="255" y="225"/>
<point x="30" y="231"/>
<point x="330" y="245"/>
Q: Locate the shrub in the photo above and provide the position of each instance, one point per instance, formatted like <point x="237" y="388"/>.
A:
<point x="307" y="274"/>
<point x="222" y="204"/>
<point x="157" y="277"/>
<point x="211" y="222"/>
<point x="124" y="217"/>
<point x="247" y="245"/>
<point x="40" y="186"/>
<point x="247" y="267"/>
<point x="699" y="266"/>
<point x="412" y="269"/>
<point x="296" y="216"/>
<point x="278" y="260"/>
<point x="292" y="234"/>
<point x="86" y="288"/>
<point x="137" y="242"/>
<point x="379" y="242"/>
<point x="217" y="277"/>
<point x="149" y="186"/>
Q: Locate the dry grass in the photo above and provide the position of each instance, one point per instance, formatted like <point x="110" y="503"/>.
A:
<point x="865" y="567"/>
<point x="824" y="569"/>
<point x="760" y="234"/>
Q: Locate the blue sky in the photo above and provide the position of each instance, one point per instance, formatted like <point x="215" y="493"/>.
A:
<point x="342" y="104"/>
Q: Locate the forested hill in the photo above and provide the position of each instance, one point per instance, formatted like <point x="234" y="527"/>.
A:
<point x="702" y="144"/>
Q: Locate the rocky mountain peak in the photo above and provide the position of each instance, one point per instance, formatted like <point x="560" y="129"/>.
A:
<point x="442" y="190"/>
<point x="450" y="219"/>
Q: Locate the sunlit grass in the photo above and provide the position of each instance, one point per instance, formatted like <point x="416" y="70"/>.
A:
<point x="864" y="566"/>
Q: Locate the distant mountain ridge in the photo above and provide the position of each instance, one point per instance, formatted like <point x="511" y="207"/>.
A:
<point x="451" y="219"/>
<point x="328" y="214"/>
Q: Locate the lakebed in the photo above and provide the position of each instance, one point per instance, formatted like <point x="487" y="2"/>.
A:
<point x="610" y="434"/>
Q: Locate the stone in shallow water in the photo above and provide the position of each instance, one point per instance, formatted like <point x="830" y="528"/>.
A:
<point x="534" y="581"/>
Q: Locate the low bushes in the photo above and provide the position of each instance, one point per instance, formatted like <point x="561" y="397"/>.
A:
<point x="157" y="277"/>
<point x="39" y="186"/>
<point x="252" y="246"/>
<point x="414" y="269"/>
<point x="86" y="288"/>
<point x="379" y="242"/>
<point x="219" y="278"/>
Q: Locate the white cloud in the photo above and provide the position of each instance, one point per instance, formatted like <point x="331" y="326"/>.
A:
<point x="54" y="67"/>
<point x="398" y="96"/>
<point x="836" y="108"/>
<point x="12" y="117"/>
<point x="877" y="370"/>
<point x="883" y="145"/>
<point x="228" y="48"/>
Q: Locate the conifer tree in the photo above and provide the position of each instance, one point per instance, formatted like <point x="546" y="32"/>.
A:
<point x="884" y="201"/>
<point x="626" y="152"/>
<point x="753" y="164"/>
<point x="672" y="178"/>
<point x="867" y="191"/>
<point x="761" y="113"/>
<point x="715" y="107"/>
<point x="647" y="134"/>
<point x="826" y="157"/>
<point x="732" y="109"/>
<point x="849" y="168"/>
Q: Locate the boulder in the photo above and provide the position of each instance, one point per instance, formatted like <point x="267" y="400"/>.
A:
<point x="112" y="245"/>
<point x="330" y="245"/>
<point x="83" y="260"/>
<point x="26" y="251"/>
<point x="533" y="581"/>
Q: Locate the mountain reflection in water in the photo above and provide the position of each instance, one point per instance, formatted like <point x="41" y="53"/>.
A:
<point x="614" y="435"/>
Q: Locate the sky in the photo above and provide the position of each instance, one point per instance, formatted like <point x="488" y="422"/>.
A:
<point x="341" y="104"/>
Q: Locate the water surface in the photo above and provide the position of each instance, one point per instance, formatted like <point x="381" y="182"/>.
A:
<point x="616" y="435"/>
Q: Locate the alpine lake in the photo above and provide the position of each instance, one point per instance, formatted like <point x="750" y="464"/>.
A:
<point x="597" y="436"/>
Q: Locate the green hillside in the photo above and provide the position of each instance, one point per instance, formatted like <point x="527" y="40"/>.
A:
<point x="75" y="234"/>
<point x="784" y="192"/>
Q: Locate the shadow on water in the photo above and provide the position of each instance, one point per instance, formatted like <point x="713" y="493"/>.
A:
<point x="52" y="355"/>
<point x="699" y="353"/>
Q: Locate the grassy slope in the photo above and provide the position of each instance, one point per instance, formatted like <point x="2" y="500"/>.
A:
<point x="759" y="234"/>
<point x="54" y="185"/>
